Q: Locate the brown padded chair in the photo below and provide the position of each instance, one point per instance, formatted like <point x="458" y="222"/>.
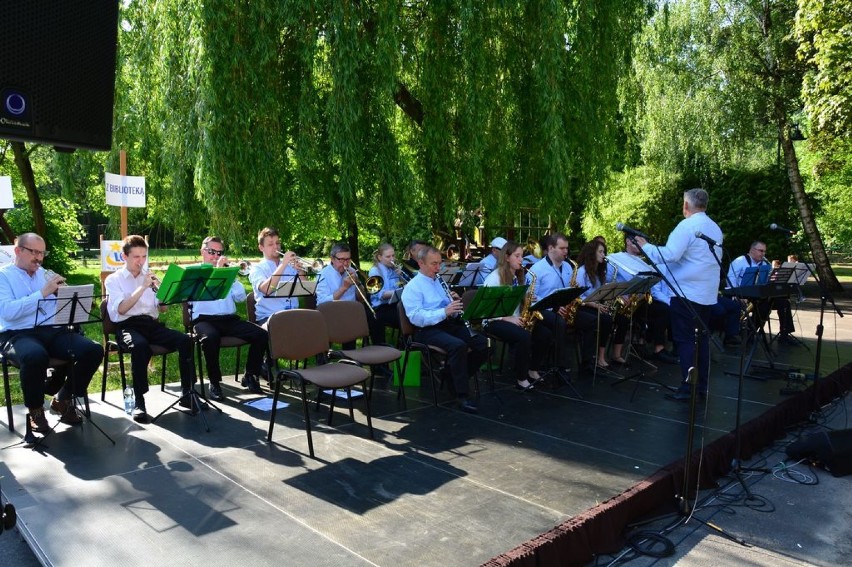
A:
<point x="251" y="304"/>
<point x="111" y="345"/>
<point x="346" y="322"/>
<point x="299" y="334"/>
<point x="226" y="342"/>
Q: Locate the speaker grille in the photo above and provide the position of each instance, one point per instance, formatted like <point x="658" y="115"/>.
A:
<point x="57" y="71"/>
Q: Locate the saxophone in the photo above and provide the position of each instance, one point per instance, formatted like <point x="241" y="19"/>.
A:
<point x="570" y="313"/>
<point x="527" y="316"/>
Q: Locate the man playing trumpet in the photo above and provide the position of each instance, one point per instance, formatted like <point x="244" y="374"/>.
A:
<point x="214" y="319"/>
<point x="23" y="287"/>
<point x="134" y="308"/>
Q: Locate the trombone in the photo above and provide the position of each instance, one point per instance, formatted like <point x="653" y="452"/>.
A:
<point x="373" y="284"/>
<point x="404" y="277"/>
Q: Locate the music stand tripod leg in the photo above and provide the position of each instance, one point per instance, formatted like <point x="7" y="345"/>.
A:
<point x="194" y="407"/>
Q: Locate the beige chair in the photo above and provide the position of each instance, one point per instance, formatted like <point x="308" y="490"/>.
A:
<point x="299" y="334"/>
<point x="111" y="345"/>
<point x="347" y="322"/>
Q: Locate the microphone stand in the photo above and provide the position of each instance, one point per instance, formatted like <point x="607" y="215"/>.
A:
<point x="825" y="296"/>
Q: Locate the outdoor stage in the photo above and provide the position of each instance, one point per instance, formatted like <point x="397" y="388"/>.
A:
<point x="435" y="487"/>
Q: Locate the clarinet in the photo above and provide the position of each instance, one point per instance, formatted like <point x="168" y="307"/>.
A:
<point x="460" y="313"/>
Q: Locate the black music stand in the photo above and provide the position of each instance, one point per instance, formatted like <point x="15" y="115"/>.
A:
<point x="491" y="302"/>
<point x="72" y="307"/>
<point x="641" y="285"/>
<point x="785" y="275"/>
<point x="201" y="282"/>
<point x="294" y="288"/>
<point x="554" y="301"/>
<point x="607" y="293"/>
<point x="470" y="275"/>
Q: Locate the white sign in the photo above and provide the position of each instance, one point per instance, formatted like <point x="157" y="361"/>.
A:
<point x="124" y="191"/>
<point x="7" y="254"/>
<point x="7" y="201"/>
<point x="112" y="259"/>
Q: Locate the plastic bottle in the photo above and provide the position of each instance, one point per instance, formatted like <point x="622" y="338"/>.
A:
<point x="129" y="400"/>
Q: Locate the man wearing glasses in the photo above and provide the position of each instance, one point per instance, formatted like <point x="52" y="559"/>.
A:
<point x="336" y="282"/>
<point x="23" y="288"/>
<point x="757" y="257"/>
<point x="214" y="319"/>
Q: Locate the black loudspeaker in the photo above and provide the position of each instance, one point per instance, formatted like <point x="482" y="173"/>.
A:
<point x="57" y="71"/>
<point x="833" y="449"/>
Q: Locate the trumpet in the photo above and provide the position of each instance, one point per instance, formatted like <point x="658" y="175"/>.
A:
<point x="371" y="283"/>
<point x="315" y="266"/>
<point x="155" y="281"/>
<point x="245" y="267"/>
<point x="404" y="277"/>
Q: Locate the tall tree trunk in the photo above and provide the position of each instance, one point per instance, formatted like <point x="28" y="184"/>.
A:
<point x="25" y="168"/>
<point x="823" y="266"/>
<point x="352" y="240"/>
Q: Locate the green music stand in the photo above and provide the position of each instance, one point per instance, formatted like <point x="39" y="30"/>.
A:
<point x="494" y="301"/>
<point x="200" y="282"/>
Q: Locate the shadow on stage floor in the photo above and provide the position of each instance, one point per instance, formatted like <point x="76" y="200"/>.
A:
<point x="435" y="486"/>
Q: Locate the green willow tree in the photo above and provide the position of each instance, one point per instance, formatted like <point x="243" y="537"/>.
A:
<point x="720" y="84"/>
<point x="367" y="119"/>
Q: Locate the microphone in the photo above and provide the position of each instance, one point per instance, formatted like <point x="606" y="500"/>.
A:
<point x="705" y="238"/>
<point x="779" y="228"/>
<point x="630" y="231"/>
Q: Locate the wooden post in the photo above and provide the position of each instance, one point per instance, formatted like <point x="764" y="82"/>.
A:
<point x="122" y="170"/>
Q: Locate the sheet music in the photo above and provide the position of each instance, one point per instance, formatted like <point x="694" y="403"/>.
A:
<point x="58" y="311"/>
<point x="800" y="272"/>
<point x="627" y="263"/>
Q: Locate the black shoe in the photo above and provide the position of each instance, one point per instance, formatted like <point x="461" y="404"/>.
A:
<point x="216" y="392"/>
<point x="250" y="382"/>
<point x="666" y="357"/>
<point x="524" y="385"/>
<point x="787" y="339"/>
<point x="140" y="415"/>
<point x="467" y="406"/>
<point x="679" y="396"/>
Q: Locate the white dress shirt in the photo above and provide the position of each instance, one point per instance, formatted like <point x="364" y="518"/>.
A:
<point x="266" y="306"/>
<point x="424" y="300"/>
<point x="694" y="270"/>
<point x="119" y="286"/>
<point x="225" y="306"/>
<point x="551" y="278"/>
<point x="329" y="281"/>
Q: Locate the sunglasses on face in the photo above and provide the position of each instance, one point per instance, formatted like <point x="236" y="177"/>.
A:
<point x="214" y="252"/>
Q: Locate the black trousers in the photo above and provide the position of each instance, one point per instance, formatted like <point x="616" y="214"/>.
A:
<point x="453" y="337"/>
<point x="31" y="349"/>
<point x="530" y="347"/>
<point x="137" y="334"/>
<point x="210" y="330"/>
<point x="386" y="316"/>
<point x="656" y="316"/>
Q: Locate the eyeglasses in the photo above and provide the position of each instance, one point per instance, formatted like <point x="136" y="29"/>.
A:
<point x="339" y="259"/>
<point x="214" y="252"/>
<point x="36" y="253"/>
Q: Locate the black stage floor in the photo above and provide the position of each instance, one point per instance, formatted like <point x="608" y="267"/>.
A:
<point x="435" y="487"/>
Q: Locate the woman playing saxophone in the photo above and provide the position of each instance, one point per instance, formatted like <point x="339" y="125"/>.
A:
<point x="530" y="346"/>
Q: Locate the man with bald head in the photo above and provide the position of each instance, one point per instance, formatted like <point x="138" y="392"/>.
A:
<point x="23" y="287"/>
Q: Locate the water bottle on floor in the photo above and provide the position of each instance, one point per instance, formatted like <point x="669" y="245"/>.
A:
<point x="129" y="400"/>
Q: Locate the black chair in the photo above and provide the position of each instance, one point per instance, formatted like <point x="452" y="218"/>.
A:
<point x="111" y="345"/>
<point x="299" y="334"/>
<point x="226" y="342"/>
<point x="6" y="362"/>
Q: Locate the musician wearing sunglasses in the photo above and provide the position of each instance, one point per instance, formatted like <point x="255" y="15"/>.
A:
<point x="134" y="308"/>
<point x="266" y="276"/>
<point x="435" y="312"/>
<point x="24" y="287"/>
<point x="214" y="319"/>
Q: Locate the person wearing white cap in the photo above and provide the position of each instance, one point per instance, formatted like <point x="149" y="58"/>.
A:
<point x="489" y="263"/>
